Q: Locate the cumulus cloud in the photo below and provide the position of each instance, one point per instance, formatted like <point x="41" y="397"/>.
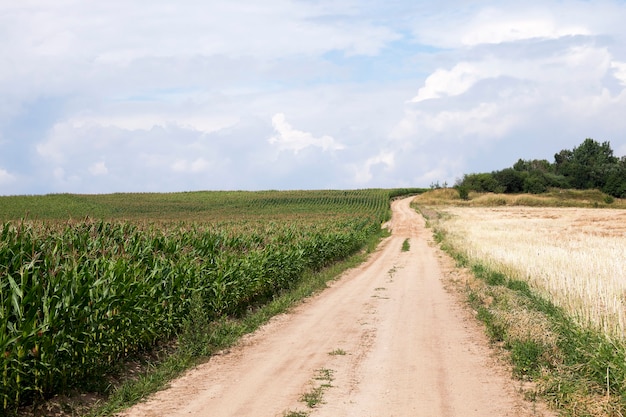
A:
<point x="363" y="172"/>
<point x="496" y="26"/>
<point x="569" y="65"/>
<point x="288" y="138"/>
<point x="88" y="157"/>
<point x="484" y="121"/>
<point x="150" y="115"/>
<point x="195" y="166"/>
<point x="99" y="168"/>
<point x="455" y="81"/>
<point x="6" y="177"/>
<point x="510" y="22"/>
<point x="619" y="72"/>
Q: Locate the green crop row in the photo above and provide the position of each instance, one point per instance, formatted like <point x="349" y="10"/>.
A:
<point x="196" y="206"/>
<point x="75" y="297"/>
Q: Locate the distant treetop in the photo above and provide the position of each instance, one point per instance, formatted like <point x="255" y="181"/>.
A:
<point x="591" y="165"/>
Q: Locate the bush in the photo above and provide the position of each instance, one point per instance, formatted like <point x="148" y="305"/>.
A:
<point x="535" y="184"/>
<point x="463" y="193"/>
<point x="482" y="183"/>
<point x="511" y="180"/>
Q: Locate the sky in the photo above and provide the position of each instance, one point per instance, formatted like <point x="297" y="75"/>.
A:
<point x="160" y="96"/>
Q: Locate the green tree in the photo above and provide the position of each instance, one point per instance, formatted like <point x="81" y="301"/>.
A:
<point x="542" y="165"/>
<point x="535" y="183"/>
<point x="482" y="183"/>
<point x="616" y="181"/>
<point x="511" y="180"/>
<point x="588" y="165"/>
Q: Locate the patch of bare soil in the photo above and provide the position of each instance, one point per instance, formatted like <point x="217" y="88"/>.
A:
<point x="394" y="339"/>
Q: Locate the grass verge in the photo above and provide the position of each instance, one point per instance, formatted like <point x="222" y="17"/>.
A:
<point x="578" y="371"/>
<point x="201" y="338"/>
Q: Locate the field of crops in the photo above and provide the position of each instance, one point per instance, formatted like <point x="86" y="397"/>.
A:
<point x="87" y="280"/>
<point x="575" y="257"/>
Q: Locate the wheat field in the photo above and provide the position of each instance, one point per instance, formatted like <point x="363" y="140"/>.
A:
<point x="576" y="257"/>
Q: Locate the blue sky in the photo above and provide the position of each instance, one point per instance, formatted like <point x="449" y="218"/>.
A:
<point x="128" y="95"/>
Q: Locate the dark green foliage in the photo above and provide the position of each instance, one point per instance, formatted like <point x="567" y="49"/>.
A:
<point x="541" y="165"/>
<point x="511" y="179"/>
<point x="463" y="192"/>
<point x="535" y="183"/>
<point x="615" y="184"/>
<point x="486" y="183"/>
<point x="591" y="165"/>
<point x="587" y="165"/>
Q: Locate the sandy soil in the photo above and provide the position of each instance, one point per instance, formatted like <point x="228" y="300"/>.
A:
<point x="403" y="346"/>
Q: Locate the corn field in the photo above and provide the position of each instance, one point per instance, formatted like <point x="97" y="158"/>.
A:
<point x="77" y="296"/>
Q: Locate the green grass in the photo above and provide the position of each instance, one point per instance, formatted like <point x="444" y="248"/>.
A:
<point x="406" y="245"/>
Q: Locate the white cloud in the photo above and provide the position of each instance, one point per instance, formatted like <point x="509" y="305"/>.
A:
<point x="619" y="72"/>
<point x="98" y="168"/>
<point x="477" y="104"/>
<point x="509" y="22"/>
<point x="117" y="32"/>
<point x="363" y="172"/>
<point x="288" y="138"/>
<point x="6" y="177"/>
<point x="146" y="121"/>
<point x="195" y="166"/>
<point x="136" y="160"/>
<point x="58" y="143"/>
<point x="585" y="64"/>
<point x="484" y="121"/>
<point x="497" y="26"/>
<point x="456" y="81"/>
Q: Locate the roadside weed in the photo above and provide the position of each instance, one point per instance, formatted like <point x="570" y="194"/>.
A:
<point x="314" y="397"/>
<point x="296" y="414"/>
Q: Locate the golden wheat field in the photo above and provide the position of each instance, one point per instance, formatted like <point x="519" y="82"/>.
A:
<point x="576" y="257"/>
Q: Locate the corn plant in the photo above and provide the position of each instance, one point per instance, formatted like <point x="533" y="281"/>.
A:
<point x="78" y="296"/>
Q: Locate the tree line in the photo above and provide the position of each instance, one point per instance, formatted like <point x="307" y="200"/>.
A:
<point x="591" y="165"/>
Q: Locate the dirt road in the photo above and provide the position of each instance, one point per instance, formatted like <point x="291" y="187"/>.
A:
<point x="394" y="341"/>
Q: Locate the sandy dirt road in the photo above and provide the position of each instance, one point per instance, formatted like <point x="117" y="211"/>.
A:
<point x="411" y="349"/>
